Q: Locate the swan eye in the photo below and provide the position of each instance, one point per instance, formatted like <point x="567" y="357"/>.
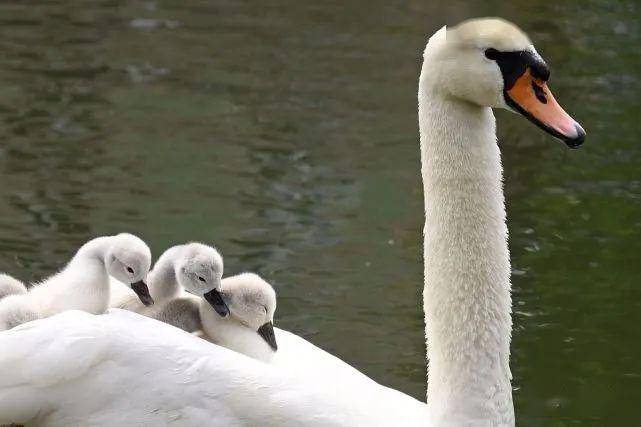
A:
<point x="491" y="53"/>
<point x="201" y="279"/>
<point x="130" y="270"/>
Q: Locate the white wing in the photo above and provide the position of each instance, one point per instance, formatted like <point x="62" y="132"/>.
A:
<point x="121" y="368"/>
<point x="304" y="360"/>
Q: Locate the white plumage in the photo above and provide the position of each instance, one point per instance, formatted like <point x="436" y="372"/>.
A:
<point x="124" y="369"/>
<point x="83" y="283"/>
<point x="252" y="303"/>
<point x="193" y="267"/>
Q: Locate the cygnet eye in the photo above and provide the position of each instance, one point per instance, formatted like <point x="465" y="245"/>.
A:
<point x="201" y="279"/>
<point x="130" y="270"/>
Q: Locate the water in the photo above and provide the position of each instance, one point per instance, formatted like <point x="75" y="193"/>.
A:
<point x="286" y="134"/>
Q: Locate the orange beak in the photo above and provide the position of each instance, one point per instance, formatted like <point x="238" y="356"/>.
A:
<point x="531" y="97"/>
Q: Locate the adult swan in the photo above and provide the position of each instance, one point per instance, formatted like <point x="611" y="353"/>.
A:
<point x="123" y="369"/>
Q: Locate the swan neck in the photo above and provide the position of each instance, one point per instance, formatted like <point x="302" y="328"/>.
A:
<point x="162" y="280"/>
<point x="467" y="269"/>
<point x="94" y="250"/>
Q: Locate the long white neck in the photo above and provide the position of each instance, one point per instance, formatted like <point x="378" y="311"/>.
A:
<point x="93" y="250"/>
<point x="467" y="268"/>
<point x="162" y="281"/>
<point x="90" y="260"/>
<point x="82" y="285"/>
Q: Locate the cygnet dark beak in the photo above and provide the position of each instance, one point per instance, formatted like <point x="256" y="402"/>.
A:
<point x="267" y="332"/>
<point x="215" y="299"/>
<point x="141" y="289"/>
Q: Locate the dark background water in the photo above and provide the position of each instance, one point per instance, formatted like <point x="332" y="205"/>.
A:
<point x="286" y="134"/>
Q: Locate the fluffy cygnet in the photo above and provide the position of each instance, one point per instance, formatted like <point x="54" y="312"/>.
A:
<point x="84" y="283"/>
<point x="249" y="327"/>
<point x="181" y="275"/>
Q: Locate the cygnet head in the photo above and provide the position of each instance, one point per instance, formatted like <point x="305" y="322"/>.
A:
<point x="199" y="269"/>
<point x="128" y="260"/>
<point x="491" y="63"/>
<point x="252" y="302"/>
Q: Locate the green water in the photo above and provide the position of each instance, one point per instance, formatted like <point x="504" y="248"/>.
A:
<point x="286" y="134"/>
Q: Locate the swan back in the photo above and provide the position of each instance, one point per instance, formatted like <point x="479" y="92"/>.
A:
<point x="76" y="368"/>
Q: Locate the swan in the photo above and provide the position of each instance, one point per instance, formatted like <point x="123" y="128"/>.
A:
<point x="11" y="286"/>
<point x="247" y="324"/>
<point x="193" y="267"/>
<point x="467" y="71"/>
<point x="249" y="328"/>
<point x="236" y="312"/>
<point x="112" y="361"/>
<point x="84" y="283"/>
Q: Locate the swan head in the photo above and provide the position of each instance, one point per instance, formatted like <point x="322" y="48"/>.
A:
<point x="492" y="63"/>
<point x="128" y="260"/>
<point x="252" y="302"/>
<point x="199" y="269"/>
